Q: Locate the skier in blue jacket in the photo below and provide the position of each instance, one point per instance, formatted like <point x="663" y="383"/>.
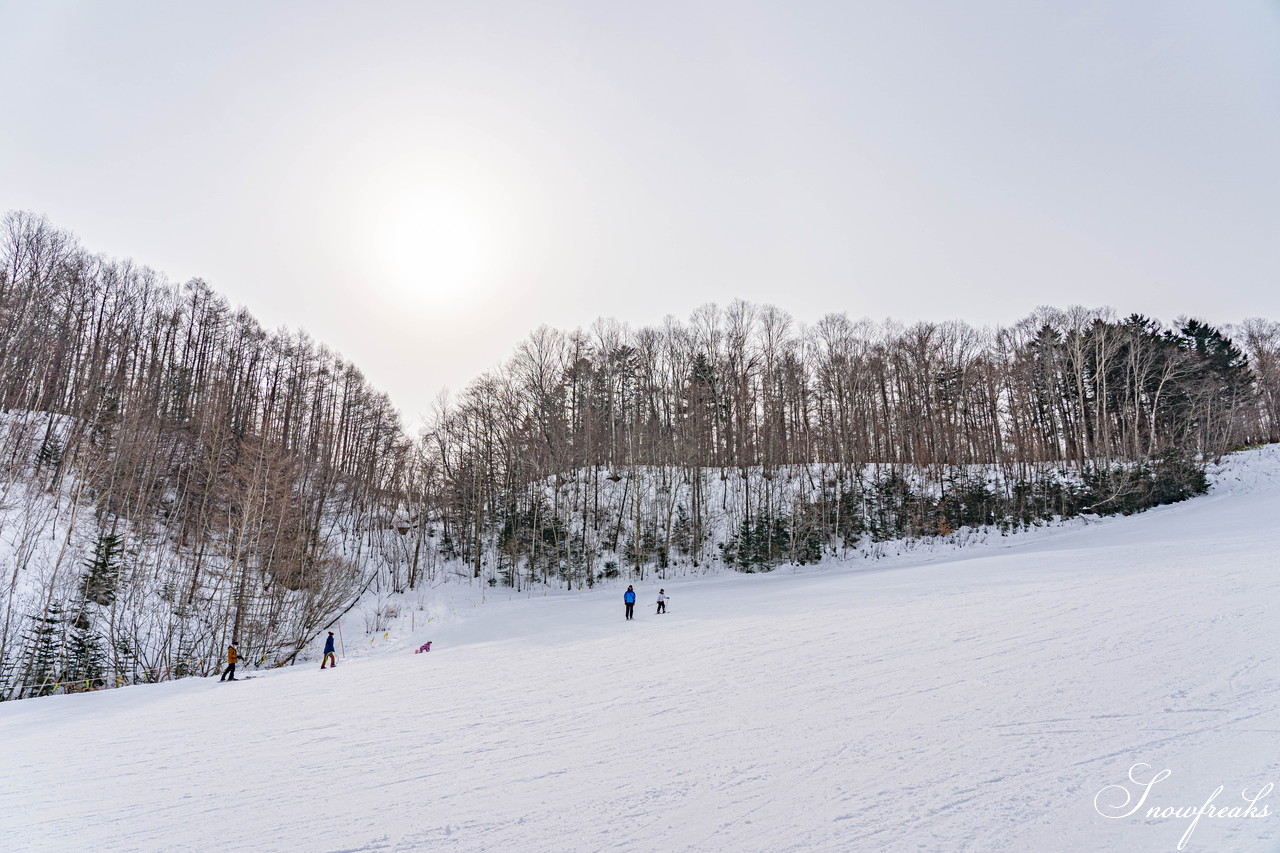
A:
<point x="629" y="598"/>
<point x="329" y="657"/>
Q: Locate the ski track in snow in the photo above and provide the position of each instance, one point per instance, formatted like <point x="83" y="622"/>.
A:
<point x="974" y="701"/>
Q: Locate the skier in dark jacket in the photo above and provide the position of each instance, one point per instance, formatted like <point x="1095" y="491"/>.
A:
<point x="229" y="674"/>
<point x="329" y="657"/>
<point x="629" y="599"/>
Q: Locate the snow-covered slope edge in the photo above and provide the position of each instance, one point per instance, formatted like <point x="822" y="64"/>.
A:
<point x="986" y="699"/>
<point x="384" y="621"/>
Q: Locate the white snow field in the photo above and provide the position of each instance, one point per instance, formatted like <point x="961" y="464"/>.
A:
<point x="991" y="698"/>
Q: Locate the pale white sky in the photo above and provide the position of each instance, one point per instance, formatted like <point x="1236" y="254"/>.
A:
<point x="420" y="184"/>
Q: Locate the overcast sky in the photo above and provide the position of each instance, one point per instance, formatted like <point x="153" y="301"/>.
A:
<point x="420" y="184"/>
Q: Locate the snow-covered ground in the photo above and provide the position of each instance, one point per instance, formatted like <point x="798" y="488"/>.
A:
<point x="996" y="697"/>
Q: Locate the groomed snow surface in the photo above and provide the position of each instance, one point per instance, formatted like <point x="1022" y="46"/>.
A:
<point x="980" y="699"/>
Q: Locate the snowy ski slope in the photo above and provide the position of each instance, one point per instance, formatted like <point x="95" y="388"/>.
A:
<point x="993" y="698"/>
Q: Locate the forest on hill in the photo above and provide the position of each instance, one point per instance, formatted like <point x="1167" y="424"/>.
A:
<point x="173" y="476"/>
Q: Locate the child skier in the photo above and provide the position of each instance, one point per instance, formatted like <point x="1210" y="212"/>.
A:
<point x="662" y="600"/>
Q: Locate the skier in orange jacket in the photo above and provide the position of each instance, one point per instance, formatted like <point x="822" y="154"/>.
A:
<point x="232" y="657"/>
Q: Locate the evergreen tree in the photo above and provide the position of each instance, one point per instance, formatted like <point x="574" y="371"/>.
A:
<point x="1217" y="351"/>
<point x="44" y="640"/>
<point x="102" y="573"/>
<point x="50" y="452"/>
<point x="85" y="660"/>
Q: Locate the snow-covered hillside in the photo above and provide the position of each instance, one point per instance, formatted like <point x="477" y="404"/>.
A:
<point x="996" y="697"/>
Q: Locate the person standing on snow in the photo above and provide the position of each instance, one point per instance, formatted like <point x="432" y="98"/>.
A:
<point x="662" y="600"/>
<point x="229" y="674"/>
<point x="329" y="657"/>
<point x="629" y="599"/>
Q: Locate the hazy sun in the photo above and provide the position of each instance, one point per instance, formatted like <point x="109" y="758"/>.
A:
<point x="435" y="247"/>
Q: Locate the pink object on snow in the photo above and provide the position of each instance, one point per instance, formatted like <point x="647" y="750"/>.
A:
<point x="426" y="647"/>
